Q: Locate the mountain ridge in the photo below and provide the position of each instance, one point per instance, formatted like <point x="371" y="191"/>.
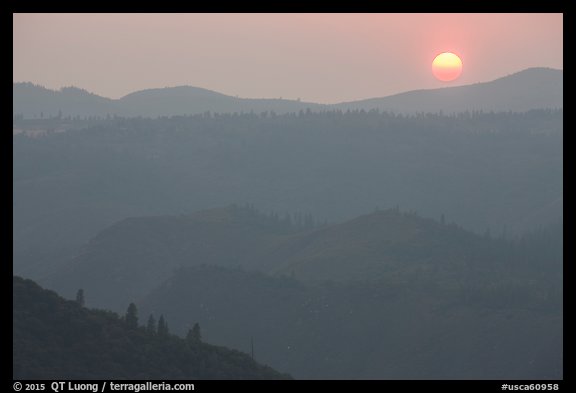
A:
<point x="388" y="294"/>
<point x="373" y="246"/>
<point x="504" y="93"/>
<point x="390" y="329"/>
<point x="532" y="88"/>
<point x="54" y="338"/>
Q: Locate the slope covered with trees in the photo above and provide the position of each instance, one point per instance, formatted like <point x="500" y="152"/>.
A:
<point x="499" y="171"/>
<point x="58" y="339"/>
<point x="386" y="295"/>
<point x="401" y="327"/>
<point x="533" y="88"/>
<point x="136" y="255"/>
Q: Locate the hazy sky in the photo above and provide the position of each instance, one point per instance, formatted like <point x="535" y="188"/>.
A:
<point x="316" y="57"/>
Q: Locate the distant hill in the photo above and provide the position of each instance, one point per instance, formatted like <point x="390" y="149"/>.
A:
<point x="380" y="244"/>
<point x="533" y="88"/>
<point x="185" y="100"/>
<point x="150" y="248"/>
<point x="501" y="172"/>
<point x="126" y="261"/>
<point x="58" y="339"/>
<point x="34" y="102"/>
<point x="408" y="326"/>
<point x="385" y="295"/>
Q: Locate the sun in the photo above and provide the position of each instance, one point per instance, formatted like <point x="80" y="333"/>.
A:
<point x="447" y="67"/>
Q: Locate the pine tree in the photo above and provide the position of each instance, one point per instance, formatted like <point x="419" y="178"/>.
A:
<point x="132" y="316"/>
<point x="80" y="297"/>
<point x="162" y="327"/>
<point x="151" y="325"/>
<point x="194" y="335"/>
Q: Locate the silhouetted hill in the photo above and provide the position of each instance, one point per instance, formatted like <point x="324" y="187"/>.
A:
<point x="483" y="171"/>
<point x="532" y="88"/>
<point x="58" y="339"/>
<point x="386" y="295"/>
<point x="174" y="101"/>
<point x="34" y="102"/>
<point x="379" y="245"/>
<point x="407" y="326"/>
<point x="126" y="261"/>
<point x="135" y="255"/>
<point x="185" y="100"/>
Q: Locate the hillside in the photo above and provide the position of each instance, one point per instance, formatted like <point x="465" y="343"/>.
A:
<point x="35" y="102"/>
<point x="126" y="261"/>
<point x="58" y="339"/>
<point x="533" y="88"/>
<point x="376" y="245"/>
<point x="406" y="327"/>
<point x="390" y="243"/>
<point x="137" y="254"/>
<point x="385" y="295"/>
<point x="484" y="171"/>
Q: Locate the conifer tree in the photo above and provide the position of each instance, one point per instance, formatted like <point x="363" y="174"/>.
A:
<point x="132" y="316"/>
<point x="80" y="297"/>
<point x="194" y="335"/>
<point x="151" y="325"/>
<point x="162" y="327"/>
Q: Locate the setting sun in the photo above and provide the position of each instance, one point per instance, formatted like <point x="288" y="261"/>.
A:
<point x="447" y="67"/>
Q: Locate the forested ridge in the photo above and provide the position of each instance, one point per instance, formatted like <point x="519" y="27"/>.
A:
<point x="55" y="338"/>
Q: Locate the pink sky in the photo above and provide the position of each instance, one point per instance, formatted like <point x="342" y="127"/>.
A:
<point x="323" y="58"/>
